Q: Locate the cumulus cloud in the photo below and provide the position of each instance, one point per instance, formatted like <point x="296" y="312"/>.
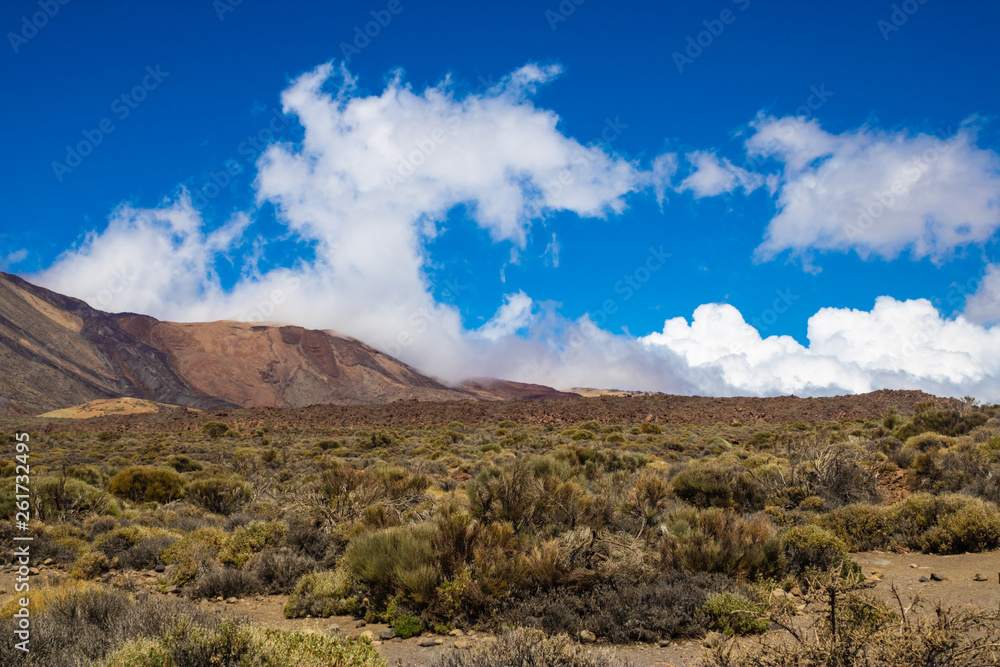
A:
<point x="375" y="175"/>
<point x="363" y="192"/>
<point x="878" y="193"/>
<point x="897" y="344"/>
<point x="713" y="176"/>
<point x="983" y="305"/>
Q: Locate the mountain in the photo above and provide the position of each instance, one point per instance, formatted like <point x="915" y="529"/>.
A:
<point x="492" y="389"/>
<point x="57" y="352"/>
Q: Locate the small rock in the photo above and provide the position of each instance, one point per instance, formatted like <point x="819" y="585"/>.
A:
<point x="48" y="561"/>
<point x="387" y="634"/>
<point x="33" y="570"/>
<point x="160" y="567"/>
<point x="232" y="600"/>
<point x="877" y="573"/>
<point x="367" y="634"/>
<point x="427" y="641"/>
<point x="937" y="577"/>
<point x="713" y="639"/>
<point x="777" y="593"/>
<point x="664" y="643"/>
<point x="976" y="577"/>
<point x="456" y="633"/>
<point x="461" y="644"/>
<point x="796" y="591"/>
<point x="333" y="630"/>
<point x="170" y="589"/>
<point x="923" y="580"/>
<point x="913" y="565"/>
<point x="587" y="636"/>
<point x="360" y="624"/>
<point x="376" y="642"/>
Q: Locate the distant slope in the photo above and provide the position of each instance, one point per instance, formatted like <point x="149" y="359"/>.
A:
<point x="104" y="407"/>
<point x="282" y="366"/>
<point x="56" y="351"/>
<point x="492" y="389"/>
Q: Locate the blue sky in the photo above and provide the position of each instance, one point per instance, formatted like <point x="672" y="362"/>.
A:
<point x="768" y="120"/>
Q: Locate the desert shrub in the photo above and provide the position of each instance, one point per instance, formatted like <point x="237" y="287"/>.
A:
<point x="78" y="623"/>
<point x="721" y="541"/>
<point x="249" y="540"/>
<point x="224" y="582"/>
<point x="812" y="548"/>
<point x="85" y="473"/>
<point x="221" y="495"/>
<point x="649" y="427"/>
<point x="143" y="484"/>
<point x="862" y="527"/>
<point x="407" y="626"/>
<point x="735" y="615"/>
<point x="836" y="472"/>
<point x="505" y="494"/>
<point x="528" y="647"/>
<point x="232" y="645"/>
<point x="399" y="559"/>
<point x="182" y="463"/>
<point x="214" y="429"/>
<point x="144" y="554"/>
<point x="193" y="553"/>
<point x="623" y="609"/>
<point x="278" y="569"/>
<point x="868" y="633"/>
<point x="973" y="527"/>
<point x="704" y="487"/>
<point x="90" y="565"/>
<point x="62" y="498"/>
<point x="582" y="434"/>
<point x="307" y="537"/>
<point x="322" y="594"/>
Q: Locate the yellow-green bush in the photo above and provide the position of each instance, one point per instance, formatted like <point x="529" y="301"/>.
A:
<point x="322" y="594"/>
<point x="90" y="565"/>
<point x="143" y="484"/>
<point x="251" y="539"/>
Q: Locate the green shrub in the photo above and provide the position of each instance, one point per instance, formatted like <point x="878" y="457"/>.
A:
<point x="214" y="429"/>
<point x="60" y="497"/>
<point x="322" y="594"/>
<point x="812" y="548"/>
<point x="222" y="495"/>
<point x="400" y="559"/>
<point x="407" y="626"/>
<point x="735" y="615"/>
<point x="704" y="487"/>
<point x="182" y="463"/>
<point x="143" y="484"/>
<point x="583" y="434"/>
<point x="251" y="539"/>
<point x="90" y="565"/>
<point x="973" y="527"/>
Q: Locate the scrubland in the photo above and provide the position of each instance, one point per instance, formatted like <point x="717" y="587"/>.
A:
<point x="542" y="537"/>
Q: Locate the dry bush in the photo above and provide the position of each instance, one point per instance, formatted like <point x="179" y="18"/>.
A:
<point x="278" y="569"/>
<point x="623" y="609"/>
<point x="529" y="647"/>
<point x="224" y="582"/>
<point x="859" y="630"/>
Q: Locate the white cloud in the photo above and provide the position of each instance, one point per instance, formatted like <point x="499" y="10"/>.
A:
<point x="714" y="176"/>
<point x="515" y="314"/>
<point x="877" y="192"/>
<point x="983" y="305"/>
<point x="898" y="344"/>
<point x="664" y="168"/>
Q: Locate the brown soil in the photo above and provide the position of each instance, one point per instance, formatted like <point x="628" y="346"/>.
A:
<point x="659" y="408"/>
